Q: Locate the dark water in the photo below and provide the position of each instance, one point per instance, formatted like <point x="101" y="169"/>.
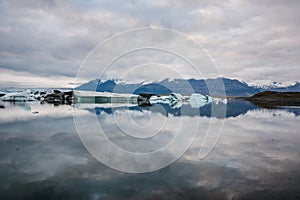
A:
<point x="256" y="156"/>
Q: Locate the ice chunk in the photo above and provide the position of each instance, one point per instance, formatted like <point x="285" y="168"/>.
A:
<point x="220" y="100"/>
<point x="2" y="94"/>
<point x="176" y="96"/>
<point x="159" y="99"/>
<point x="176" y="100"/>
<point x="199" y="100"/>
<point x="175" y="104"/>
<point x="103" y="97"/>
<point x="25" y="95"/>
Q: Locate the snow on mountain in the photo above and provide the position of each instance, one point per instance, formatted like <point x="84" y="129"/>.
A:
<point x="233" y="87"/>
<point x="272" y="85"/>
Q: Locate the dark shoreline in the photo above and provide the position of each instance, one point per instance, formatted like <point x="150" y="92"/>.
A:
<point x="271" y="99"/>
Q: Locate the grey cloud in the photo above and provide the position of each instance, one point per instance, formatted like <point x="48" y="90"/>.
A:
<point x="53" y="37"/>
<point x="50" y="38"/>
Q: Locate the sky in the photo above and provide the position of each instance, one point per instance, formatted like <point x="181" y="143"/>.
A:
<point x="43" y="43"/>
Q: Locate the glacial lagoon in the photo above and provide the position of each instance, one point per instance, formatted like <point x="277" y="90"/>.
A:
<point x="248" y="152"/>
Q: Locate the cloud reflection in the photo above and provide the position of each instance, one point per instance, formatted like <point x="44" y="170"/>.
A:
<point x="256" y="157"/>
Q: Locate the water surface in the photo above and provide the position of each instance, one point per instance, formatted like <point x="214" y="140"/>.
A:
<point x="255" y="157"/>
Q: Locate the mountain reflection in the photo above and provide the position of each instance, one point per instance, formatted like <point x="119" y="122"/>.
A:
<point x="233" y="108"/>
<point x="42" y="157"/>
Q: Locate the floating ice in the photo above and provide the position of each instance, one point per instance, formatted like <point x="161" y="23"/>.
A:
<point x="25" y="95"/>
<point x="103" y="97"/>
<point x="159" y="99"/>
<point x="199" y="100"/>
<point x="176" y="100"/>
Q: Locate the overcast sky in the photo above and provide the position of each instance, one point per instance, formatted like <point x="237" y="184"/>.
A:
<point x="42" y="43"/>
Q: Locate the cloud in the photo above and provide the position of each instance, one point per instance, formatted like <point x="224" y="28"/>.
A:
<point x="25" y="79"/>
<point x="52" y="38"/>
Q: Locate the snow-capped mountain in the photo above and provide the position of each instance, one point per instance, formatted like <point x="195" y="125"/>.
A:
<point x="233" y="87"/>
<point x="273" y="85"/>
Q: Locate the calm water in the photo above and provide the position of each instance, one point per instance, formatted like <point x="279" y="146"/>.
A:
<point x="42" y="156"/>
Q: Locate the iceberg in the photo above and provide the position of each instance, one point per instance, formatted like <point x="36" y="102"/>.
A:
<point x="159" y="99"/>
<point x="199" y="100"/>
<point x="51" y="96"/>
<point x="56" y="96"/>
<point x="175" y="97"/>
<point x="176" y="100"/>
<point x="2" y="94"/>
<point x="25" y="95"/>
<point x="103" y="97"/>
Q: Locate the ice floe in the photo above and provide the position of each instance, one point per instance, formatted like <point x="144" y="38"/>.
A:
<point x="176" y="100"/>
<point x="25" y="95"/>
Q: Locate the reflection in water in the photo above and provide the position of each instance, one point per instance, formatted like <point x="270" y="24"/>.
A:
<point x="233" y="108"/>
<point x="41" y="156"/>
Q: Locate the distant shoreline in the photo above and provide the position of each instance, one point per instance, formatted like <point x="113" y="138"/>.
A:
<point x="271" y="99"/>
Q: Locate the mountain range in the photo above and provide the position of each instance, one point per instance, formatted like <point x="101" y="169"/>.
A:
<point x="233" y="87"/>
